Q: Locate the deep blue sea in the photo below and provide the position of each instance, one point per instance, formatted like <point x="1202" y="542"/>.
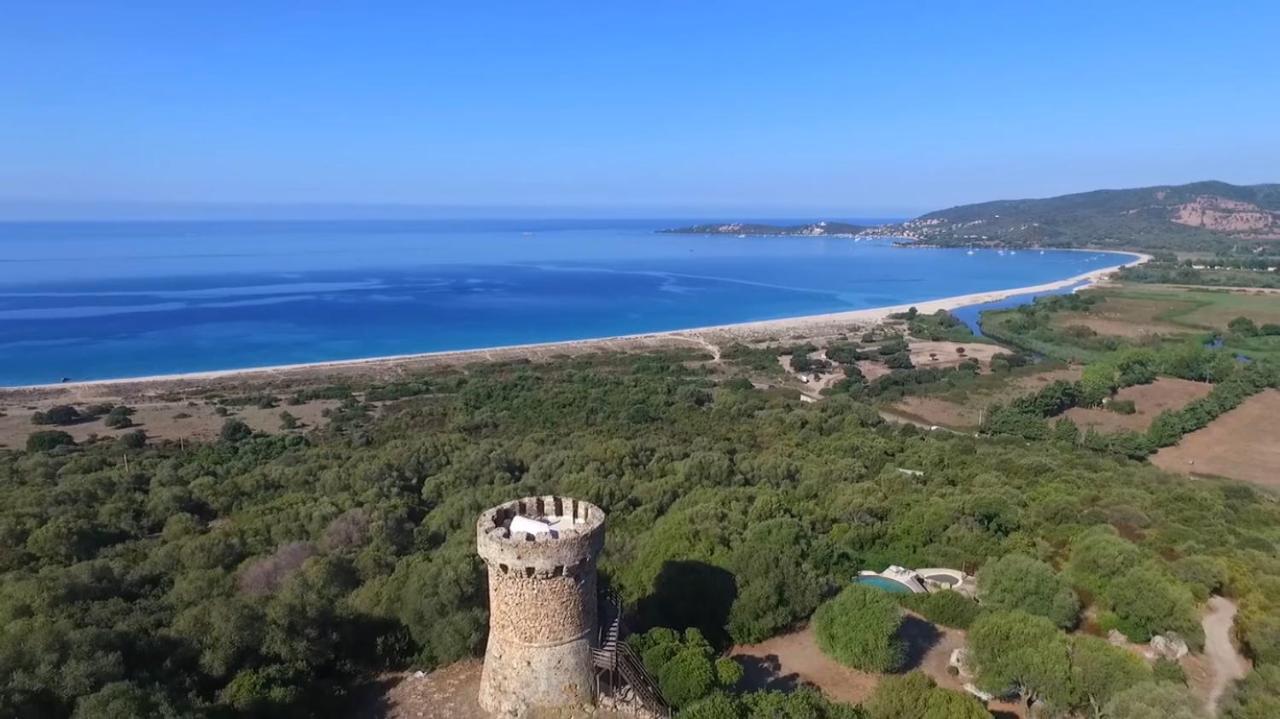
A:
<point x="127" y="299"/>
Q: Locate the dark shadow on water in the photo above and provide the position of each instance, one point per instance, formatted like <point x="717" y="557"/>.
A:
<point x="690" y="594"/>
<point x="919" y="637"/>
<point x="765" y="673"/>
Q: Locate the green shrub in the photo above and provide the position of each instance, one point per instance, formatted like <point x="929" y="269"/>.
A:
<point x="62" y="414"/>
<point x="234" y="430"/>
<point x="137" y="439"/>
<point x="119" y="417"/>
<point x="915" y="696"/>
<point x="1165" y="670"/>
<point x="48" y="439"/>
<point x="1016" y="581"/>
<point x="1147" y="601"/>
<point x="1122" y="406"/>
<point x="685" y="666"/>
<point x="859" y="628"/>
<point x="1202" y="575"/>
<point x="947" y="607"/>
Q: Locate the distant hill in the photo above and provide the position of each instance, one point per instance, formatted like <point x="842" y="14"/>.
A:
<point x="1204" y="216"/>
<point x="813" y="229"/>
<point x="1201" y="215"/>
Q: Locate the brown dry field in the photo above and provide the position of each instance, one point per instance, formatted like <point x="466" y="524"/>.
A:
<point x="789" y="660"/>
<point x="923" y="352"/>
<point x="1149" y="399"/>
<point x="872" y="369"/>
<point x="966" y="415"/>
<point x="162" y="420"/>
<point x="1242" y="444"/>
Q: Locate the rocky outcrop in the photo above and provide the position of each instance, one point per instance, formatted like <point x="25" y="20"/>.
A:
<point x="1224" y="215"/>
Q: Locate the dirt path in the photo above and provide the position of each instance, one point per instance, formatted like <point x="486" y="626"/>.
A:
<point x="1225" y="662"/>
<point x="788" y="661"/>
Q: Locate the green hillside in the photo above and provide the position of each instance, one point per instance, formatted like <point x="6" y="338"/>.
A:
<point x="1202" y="216"/>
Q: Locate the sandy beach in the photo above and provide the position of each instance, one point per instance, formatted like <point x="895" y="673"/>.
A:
<point x="398" y="365"/>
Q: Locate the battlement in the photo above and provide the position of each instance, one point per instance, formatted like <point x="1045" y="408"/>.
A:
<point x="569" y="536"/>
<point x="541" y="555"/>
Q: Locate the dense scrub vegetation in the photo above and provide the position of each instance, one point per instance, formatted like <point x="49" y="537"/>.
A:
<point x="1213" y="272"/>
<point x="263" y="575"/>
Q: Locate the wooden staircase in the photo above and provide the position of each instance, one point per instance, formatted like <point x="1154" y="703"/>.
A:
<point x="614" y="659"/>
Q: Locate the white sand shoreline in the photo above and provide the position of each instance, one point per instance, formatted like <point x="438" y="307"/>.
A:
<point x="865" y="316"/>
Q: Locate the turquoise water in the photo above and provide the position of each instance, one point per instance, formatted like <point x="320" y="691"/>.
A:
<point x="888" y="585"/>
<point x="107" y="300"/>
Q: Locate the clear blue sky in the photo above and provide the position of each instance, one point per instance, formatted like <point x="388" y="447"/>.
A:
<point x="630" y="108"/>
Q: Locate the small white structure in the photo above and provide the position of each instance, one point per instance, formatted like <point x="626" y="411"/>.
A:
<point x="532" y="526"/>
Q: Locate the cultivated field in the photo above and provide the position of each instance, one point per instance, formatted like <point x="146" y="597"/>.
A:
<point x="1149" y="400"/>
<point x="1241" y="444"/>
<point x="963" y="410"/>
<point x="1136" y="310"/>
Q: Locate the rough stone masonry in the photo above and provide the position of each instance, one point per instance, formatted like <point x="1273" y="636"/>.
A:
<point x="542" y="605"/>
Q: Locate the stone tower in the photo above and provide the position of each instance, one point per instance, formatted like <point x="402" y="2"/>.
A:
<point x="541" y="554"/>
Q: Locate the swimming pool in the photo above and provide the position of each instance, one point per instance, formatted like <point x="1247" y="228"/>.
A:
<point x="886" y="584"/>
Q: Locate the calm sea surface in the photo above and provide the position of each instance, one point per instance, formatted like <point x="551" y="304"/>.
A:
<point x="105" y="300"/>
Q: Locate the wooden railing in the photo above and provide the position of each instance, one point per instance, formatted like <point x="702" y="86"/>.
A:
<point x="618" y="659"/>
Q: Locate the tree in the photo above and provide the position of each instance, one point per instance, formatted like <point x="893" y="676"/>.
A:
<point x="1202" y="574"/>
<point x="1243" y="326"/>
<point x="122" y="700"/>
<point x="119" y="417"/>
<point x="48" y="439"/>
<point x="288" y="421"/>
<point x="1016" y="581"/>
<point x="59" y="415"/>
<point x="263" y="692"/>
<point x="137" y="439"/>
<point x="225" y="631"/>
<point x="1098" y="556"/>
<point x="1065" y="430"/>
<point x="1147" y="601"/>
<point x="1257" y="696"/>
<point x="718" y="705"/>
<point x="1154" y="701"/>
<point x="1100" y="671"/>
<point x="687" y="676"/>
<point x="1021" y="652"/>
<point x="685" y="666"/>
<point x="235" y="430"/>
<point x="776" y="584"/>
<point x="803" y="703"/>
<point x="440" y="599"/>
<point x="947" y="607"/>
<point x="915" y="696"/>
<point x="859" y="628"/>
<point x="898" y="360"/>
